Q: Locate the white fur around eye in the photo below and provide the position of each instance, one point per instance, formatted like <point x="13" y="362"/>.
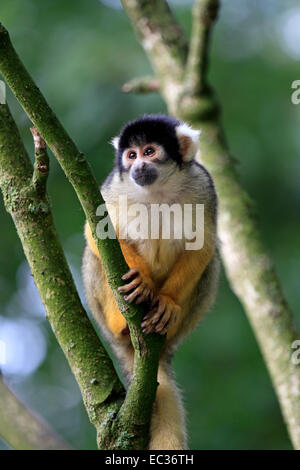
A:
<point x="115" y="142"/>
<point x="189" y="140"/>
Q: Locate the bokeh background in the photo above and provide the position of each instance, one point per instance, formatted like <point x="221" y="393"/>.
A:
<point x="80" y="52"/>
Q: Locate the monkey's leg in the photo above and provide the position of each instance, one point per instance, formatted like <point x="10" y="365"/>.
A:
<point x="168" y="429"/>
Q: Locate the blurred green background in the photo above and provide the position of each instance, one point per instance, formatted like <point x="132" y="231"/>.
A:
<point x="80" y="53"/>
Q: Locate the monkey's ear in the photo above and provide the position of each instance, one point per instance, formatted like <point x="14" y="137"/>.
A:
<point x="115" y="142"/>
<point x="188" y="140"/>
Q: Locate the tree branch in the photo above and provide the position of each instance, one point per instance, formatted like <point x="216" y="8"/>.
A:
<point x="164" y="42"/>
<point x="31" y="213"/>
<point x="22" y="429"/>
<point x="204" y="15"/>
<point x="41" y="164"/>
<point x="79" y="173"/>
<point x="248" y="264"/>
<point x="141" y="85"/>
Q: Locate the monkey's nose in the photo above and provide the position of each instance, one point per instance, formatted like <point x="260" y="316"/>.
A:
<point x="144" y="174"/>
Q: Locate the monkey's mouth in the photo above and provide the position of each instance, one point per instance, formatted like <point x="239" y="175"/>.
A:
<point x="145" y="177"/>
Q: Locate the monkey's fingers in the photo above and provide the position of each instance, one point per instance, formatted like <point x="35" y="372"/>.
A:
<point x="131" y="285"/>
<point x="145" y="295"/>
<point x="154" y="302"/>
<point x="146" y="322"/>
<point x="164" y="319"/>
<point x="173" y="320"/>
<point x="148" y="329"/>
<point x="138" y="291"/>
<point x="164" y="331"/>
<point x="161" y="325"/>
<point x="132" y="272"/>
<point x="148" y="318"/>
<point x="159" y="311"/>
<point x="147" y="326"/>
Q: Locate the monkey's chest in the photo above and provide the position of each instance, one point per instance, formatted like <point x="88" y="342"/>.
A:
<point x="158" y="231"/>
<point x="160" y="256"/>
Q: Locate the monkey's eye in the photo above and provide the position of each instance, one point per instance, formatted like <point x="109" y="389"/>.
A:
<point x="132" y="155"/>
<point x="149" y="151"/>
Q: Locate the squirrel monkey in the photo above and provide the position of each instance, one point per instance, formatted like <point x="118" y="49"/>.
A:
<point x="155" y="165"/>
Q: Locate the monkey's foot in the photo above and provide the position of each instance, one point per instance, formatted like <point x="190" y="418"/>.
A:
<point x="139" y="289"/>
<point x="163" y="316"/>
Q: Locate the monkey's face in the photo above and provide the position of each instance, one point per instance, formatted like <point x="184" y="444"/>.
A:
<point x="143" y="162"/>
<point x="152" y="149"/>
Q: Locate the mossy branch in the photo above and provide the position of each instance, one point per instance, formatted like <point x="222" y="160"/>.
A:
<point x="141" y="394"/>
<point x="248" y="264"/>
<point x="41" y="164"/>
<point x="31" y="213"/>
<point x="22" y="429"/>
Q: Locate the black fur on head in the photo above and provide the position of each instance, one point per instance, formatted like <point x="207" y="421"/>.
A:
<point x="156" y="128"/>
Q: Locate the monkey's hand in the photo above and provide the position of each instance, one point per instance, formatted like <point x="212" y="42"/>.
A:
<point x="139" y="288"/>
<point x="164" y="315"/>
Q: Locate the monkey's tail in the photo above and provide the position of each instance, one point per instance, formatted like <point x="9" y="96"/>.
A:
<point x="167" y="429"/>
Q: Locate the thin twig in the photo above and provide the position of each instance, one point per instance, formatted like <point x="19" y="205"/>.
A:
<point x="141" y="85"/>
